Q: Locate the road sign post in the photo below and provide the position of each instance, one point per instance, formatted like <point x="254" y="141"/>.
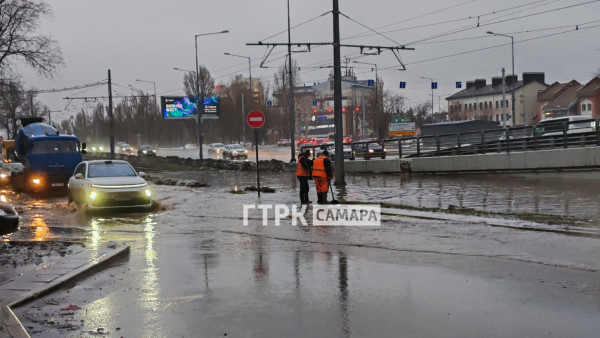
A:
<point x="255" y="120"/>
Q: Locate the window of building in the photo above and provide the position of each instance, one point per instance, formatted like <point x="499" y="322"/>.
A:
<point x="470" y="106"/>
<point x="465" y="107"/>
<point x="485" y="105"/>
<point x="491" y="105"/>
<point x="583" y="107"/>
<point x="506" y="103"/>
<point x="589" y="106"/>
<point x="497" y="117"/>
<point x="496" y="104"/>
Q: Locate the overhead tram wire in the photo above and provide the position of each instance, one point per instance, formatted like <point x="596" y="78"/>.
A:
<point x="459" y="30"/>
<point x="511" y="33"/>
<point x="492" y="47"/>
<point x="296" y="26"/>
<point x="472" y="17"/>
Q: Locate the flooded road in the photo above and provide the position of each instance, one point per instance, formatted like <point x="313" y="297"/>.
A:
<point x="195" y="270"/>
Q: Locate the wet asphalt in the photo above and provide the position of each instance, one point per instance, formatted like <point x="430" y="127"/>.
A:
<point x="196" y="271"/>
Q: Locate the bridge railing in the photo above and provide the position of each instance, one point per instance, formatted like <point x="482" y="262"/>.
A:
<point x="580" y="133"/>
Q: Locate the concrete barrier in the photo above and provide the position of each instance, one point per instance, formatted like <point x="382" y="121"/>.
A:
<point x="555" y="159"/>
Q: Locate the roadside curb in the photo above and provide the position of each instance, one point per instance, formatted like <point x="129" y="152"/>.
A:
<point x="37" y="283"/>
<point x="10" y="326"/>
<point x="495" y="222"/>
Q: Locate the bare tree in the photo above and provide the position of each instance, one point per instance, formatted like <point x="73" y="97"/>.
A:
<point x="14" y="104"/>
<point x="19" y="19"/>
<point x="205" y="82"/>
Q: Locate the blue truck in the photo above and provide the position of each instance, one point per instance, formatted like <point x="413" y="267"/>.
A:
<point x="48" y="157"/>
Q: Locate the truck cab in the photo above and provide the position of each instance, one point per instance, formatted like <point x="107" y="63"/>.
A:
<point x="48" y="158"/>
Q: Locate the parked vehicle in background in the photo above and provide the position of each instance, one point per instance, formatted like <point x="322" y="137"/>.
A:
<point x="8" y="163"/>
<point x="570" y="124"/>
<point x="367" y="149"/>
<point x="97" y="149"/>
<point x="284" y="142"/>
<point x="146" y="150"/>
<point x="215" y="149"/>
<point x="48" y="158"/>
<point x="104" y="184"/>
<point x="125" y="149"/>
<point x="235" y="151"/>
<point x="330" y="147"/>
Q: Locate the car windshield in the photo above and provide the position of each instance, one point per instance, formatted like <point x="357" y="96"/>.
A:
<point x="236" y="146"/>
<point x="110" y="169"/>
<point x="217" y="145"/>
<point x="54" y="147"/>
<point x="146" y="147"/>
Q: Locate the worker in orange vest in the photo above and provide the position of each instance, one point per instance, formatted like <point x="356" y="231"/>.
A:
<point x="303" y="174"/>
<point x="322" y="173"/>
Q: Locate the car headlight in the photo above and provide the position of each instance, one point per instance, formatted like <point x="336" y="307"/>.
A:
<point x="245" y="151"/>
<point x="93" y="148"/>
<point x="93" y="195"/>
<point x="370" y="150"/>
<point x="36" y="181"/>
<point x="3" y="176"/>
<point x="101" y="148"/>
<point x="3" y="199"/>
<point x="148" y="192"/>
<point x="145" y="151"/>
<point x="234" y="152"/>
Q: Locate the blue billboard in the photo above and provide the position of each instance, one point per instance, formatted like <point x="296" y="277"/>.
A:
<point x="185" y="107"/>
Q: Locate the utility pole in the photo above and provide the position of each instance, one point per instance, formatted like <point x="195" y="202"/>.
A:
<point x="111" y="121"/>
<point x="337" y="98"/>
<point x="291" y="94"/>
<point x="503" y="99"/>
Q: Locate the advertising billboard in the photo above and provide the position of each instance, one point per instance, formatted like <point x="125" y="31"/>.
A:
<point x="178" y="107"/>
<point x="185" y="107"/>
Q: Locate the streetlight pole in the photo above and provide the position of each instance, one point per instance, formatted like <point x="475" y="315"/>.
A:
<point x="145" y="117"/>
<point x="200" y="107"/>
<point x="376" y="94"/>
<point x="250" y="76"/>
<point x="512" y="48"/>
<point x="430" y="79"/>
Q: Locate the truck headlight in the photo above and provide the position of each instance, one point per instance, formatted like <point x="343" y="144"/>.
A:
<point x="93" y="195"/>
<point x="148" y="192"/>
<point x="3" y="176"/>
<point x="3" y="199"/>
<point x="36" y="181"/>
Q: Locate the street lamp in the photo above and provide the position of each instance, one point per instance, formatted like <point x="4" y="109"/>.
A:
<point x="376" y="92"/>
<point x="155" y="106"/>
<point x="512" y="46"/>
<point x="250" y="76"/>
<point x="430" y="79"/>
<point x="200" y="111"/>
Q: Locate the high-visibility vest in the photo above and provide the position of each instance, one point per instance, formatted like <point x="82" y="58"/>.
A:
<point x="300" y="170"/>
<point x="319" y="167"/>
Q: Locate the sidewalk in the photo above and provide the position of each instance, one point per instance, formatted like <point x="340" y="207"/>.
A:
<point x="49" y="277"/>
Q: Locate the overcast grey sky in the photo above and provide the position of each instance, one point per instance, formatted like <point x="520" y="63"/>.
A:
<point x="145" y="39"/>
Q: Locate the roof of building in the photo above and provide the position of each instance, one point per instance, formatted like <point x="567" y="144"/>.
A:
<point x="590" y="88"/>
<point x="484" y="91"/>
<point x="550" y="93"/>
<point x="566" y="99"/>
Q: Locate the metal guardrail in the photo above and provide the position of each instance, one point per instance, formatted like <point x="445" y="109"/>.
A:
<point x="579" y="133"/>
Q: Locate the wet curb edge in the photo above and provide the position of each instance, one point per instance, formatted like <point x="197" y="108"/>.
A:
<point x="12" y="323"/>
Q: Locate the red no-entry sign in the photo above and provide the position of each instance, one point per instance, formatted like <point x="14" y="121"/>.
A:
<point x="255" y="119"/>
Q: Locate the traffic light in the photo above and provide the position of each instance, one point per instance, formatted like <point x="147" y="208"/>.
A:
<point x="357" y="109"/>
<point x="330" y="111"/>
<point x="396" y="120"/>
<point x="314" y="112"/>
<point x="343" y="109"/>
